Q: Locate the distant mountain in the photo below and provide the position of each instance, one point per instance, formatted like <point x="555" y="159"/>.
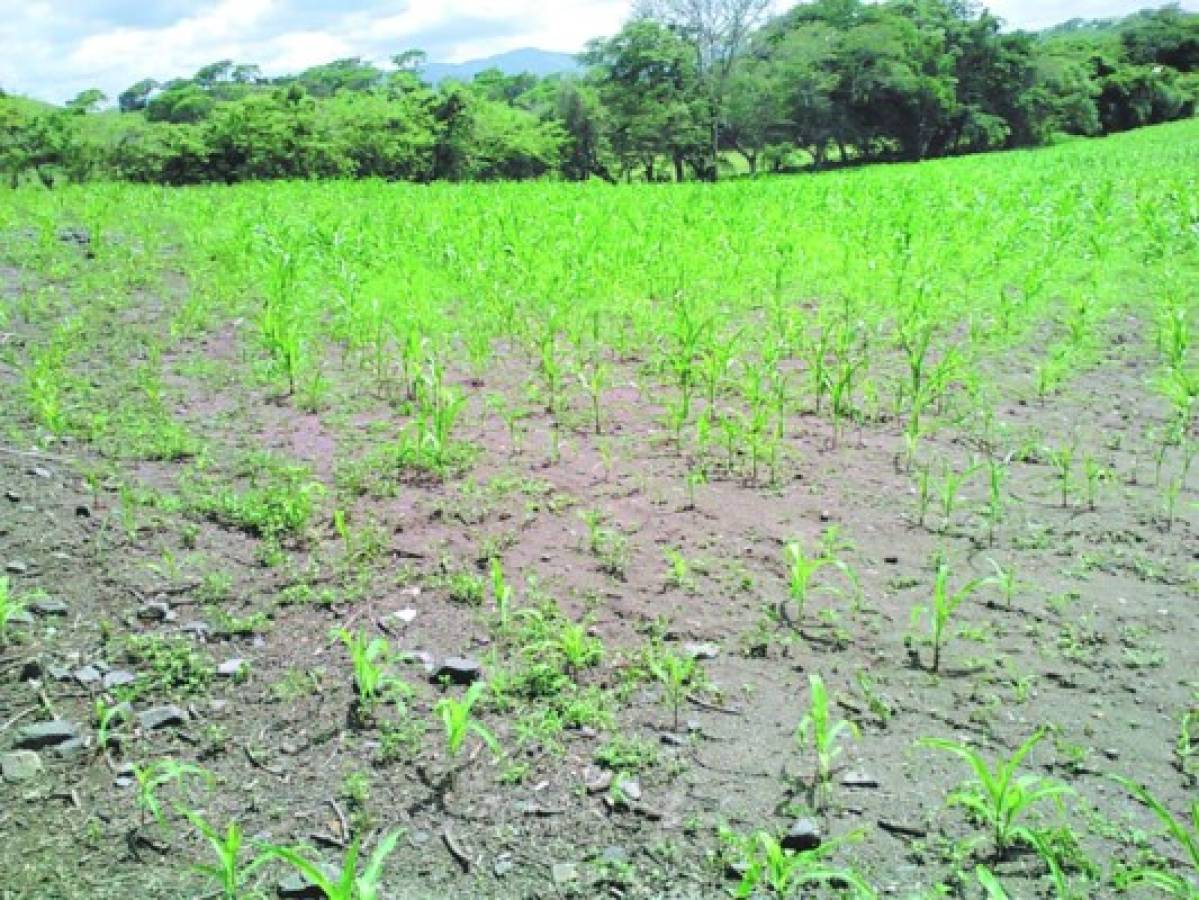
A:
<point x="514" y="62"/>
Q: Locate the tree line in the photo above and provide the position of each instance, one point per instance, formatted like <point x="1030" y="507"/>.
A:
<point x="688" y="89"/>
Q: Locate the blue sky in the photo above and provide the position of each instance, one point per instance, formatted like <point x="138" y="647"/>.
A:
<point x="52" y="49"/>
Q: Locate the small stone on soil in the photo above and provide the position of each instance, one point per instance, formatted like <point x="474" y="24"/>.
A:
<point x="805" y="834"/>
<point x="231" y="668"/>
<point x="161" y="717"/>
<point x="598" y="781"/>
<point x="118" y="678"/>
<point x="155" y="611"/>
<point x="16" y="567"/>
<point x="614" y="855"/>
<point x="51" y="608"/>
<point x="70" y="749"/>
<point x="859" y="780"/>
<point x="503" y="865"/>
<point x="702" y="651"/>
<point x="45" y="734"/>
<point x="565" y="873"/>
<point x="87" y="675"/>
<point x="298" y="887"/>
<point x="407" y="616"/>
<point x="199" y="630"/>
<point x="12" y="496"/>
<point x="630" y="788"/>
<point x="32" y="670"/>
<point x="458" y="670"/>
<point x="21" y="765"/>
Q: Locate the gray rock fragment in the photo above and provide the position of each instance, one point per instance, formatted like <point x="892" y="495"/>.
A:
<point x="161" y="717"/>
<point x="21" y="765"/>
<point x="805" y="834"/>
<point x="458" y="670"/>
<point x="45" y="734"/>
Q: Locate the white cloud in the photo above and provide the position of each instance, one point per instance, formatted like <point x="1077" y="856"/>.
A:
<point x="52" y="52"/>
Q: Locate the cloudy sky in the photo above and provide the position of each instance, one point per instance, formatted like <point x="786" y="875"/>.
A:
<point x="52" y="49"/>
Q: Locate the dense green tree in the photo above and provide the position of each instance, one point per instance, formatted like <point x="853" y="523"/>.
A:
<point x="137" y="96"/>
<point x="584" y="119"/>
<point x="86" y="101"/>
<point x="685" y="87"/>
<point x="647" y="80"/>
<point x="718" y="31"/>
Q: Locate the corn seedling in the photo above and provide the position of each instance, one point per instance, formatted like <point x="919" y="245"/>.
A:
<point x="818" y="732"/>
<point x="1006" y="580"/>
<point x="923" y="493"/>
<point x="996" y="474"/>
<point x="1170" y="501"/>
<point x="595" y="381"/>
<point x="989" y="883"/>
<point x="106" y="717"/>
<point x="368" y="658"/>
<point x="801" y="570"/>
<point x="765" y="864"/>
<point x="228" y="871"/>
<point x="679" y="571"/>
<point x="1184" y="834"/>
<point x="675" y="673"/>
<point x="998" y="795"/>
<point x="1186" y="747"/>
<point x="941" y="609"/>
<point x="346" y="884"/>
<point x="1062" y="460"/>
<point x="501" y="592"/>
<point x="159" y="774"/>
<point x="951" y="485"/>
<point x="457" y="717"/>
<point x="10" y="608"/>
<point x="1095" y="475"/>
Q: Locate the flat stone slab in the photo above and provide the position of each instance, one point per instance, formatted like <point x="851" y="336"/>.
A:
<point x="46" y="734"/>
<point x="458" y="670"/>
<point x="21" y="765"/>
<point x="161" y="717"/>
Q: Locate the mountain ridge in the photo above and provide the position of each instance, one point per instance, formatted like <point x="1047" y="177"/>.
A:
<point x="513" y="62"/>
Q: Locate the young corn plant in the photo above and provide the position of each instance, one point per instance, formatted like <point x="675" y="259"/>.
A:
<point x="818" y="732"/>
<point x="1006" y="580"/>
<point x="996" y="501"/>
<point x="368" y="657"/>
<point x="675" y="673"/>
<point x="502" y="594"/>
<point x="1184" y="834"/>
<point x="951" y="485"/>
<point x="1062" y="459"/>
<point x="1095" y="475"/>
<point x="106" y="718"/>
<point x="457" y="717"/>
<point x="998" y="795"/>
<point x="348" y="884"/>
<point x="801" y="570"/>
<point x="228" y="872"/>
<point x="10" y="608"/>
<point x="944" y="604"/>
<point x="1186" y="746"/>
<point x="158" y="774"/>
<point x="595" y="380"/>
<point x="765" y="864"/>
